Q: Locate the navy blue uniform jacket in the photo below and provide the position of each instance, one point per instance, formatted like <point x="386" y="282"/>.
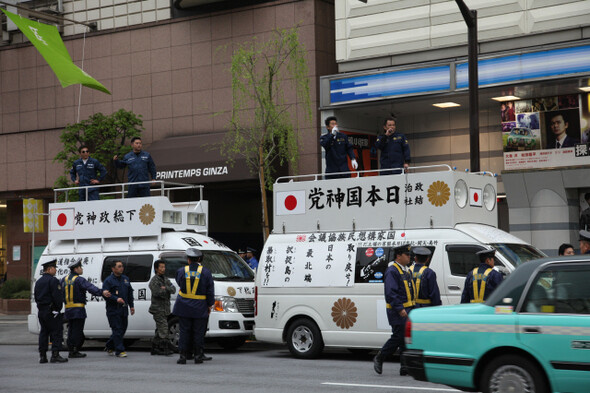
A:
<point x="81" y="286"/>
<point x="119" y="287"/>
<point x="428" y="287"/>
<point x="494" y="279"/>
<point x="48" y="294"/>
<point x="337" y="148"/>
<point x="87" y="172"/>
<point x="395" y="294"/>
<point x="395" y="150"/>
<point x="195" y="308"/>
<point x="141" y="166"/>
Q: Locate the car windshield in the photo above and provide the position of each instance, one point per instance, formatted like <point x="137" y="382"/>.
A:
<point x="224" y="265"/>
<point x="517" y="254"/>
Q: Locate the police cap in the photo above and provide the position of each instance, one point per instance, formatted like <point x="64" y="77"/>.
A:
<point x="421" y="251"/>
<point x="48" y="264"/>
<point x="403" y="249"/>
<point x="193" y="253"/>
<point x="75" y="264"/>
<point x="485" y="254"/>
<point x="241" y="251"/>
<point x="250" y="249"/>
<point x="585" y="236"/>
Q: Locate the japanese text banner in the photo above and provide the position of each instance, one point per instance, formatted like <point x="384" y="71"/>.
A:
<point x="48" y="42"/>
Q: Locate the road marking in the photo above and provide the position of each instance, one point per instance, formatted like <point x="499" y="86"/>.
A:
<point x="361" y="385"/>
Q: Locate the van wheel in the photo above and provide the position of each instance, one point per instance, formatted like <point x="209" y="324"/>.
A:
<point x="174" y="332"/>
<point x="512" y="373"/>
<point x="230" y="343"/>
<point x="304" y="339"/>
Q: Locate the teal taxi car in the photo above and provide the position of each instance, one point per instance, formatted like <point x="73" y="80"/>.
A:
<point x="531" y="335"/>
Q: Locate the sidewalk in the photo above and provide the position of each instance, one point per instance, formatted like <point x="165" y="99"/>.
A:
<point x="14" y="330"/>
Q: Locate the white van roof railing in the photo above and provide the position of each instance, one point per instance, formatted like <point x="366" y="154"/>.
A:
<point x="434" y="196"/>
<point x="163" y="188"/>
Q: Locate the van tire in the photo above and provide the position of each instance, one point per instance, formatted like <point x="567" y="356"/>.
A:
<point x="231" y="343"/>
<point x="514" y="371"/>
<point x="174" y="332"/>
<point x="304" y="339"/>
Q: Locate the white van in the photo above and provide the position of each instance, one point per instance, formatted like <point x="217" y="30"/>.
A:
<point x="137" y="232"/>
<point x="320" y="277"/>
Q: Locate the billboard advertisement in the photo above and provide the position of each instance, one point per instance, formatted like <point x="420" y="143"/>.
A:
<point x="545" y="132"/>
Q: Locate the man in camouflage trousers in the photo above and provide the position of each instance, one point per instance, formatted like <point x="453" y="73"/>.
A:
<point x="161" y="289"/>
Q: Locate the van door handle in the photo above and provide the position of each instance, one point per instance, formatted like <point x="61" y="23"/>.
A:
<point x="531" y="330"/>
<point x="454" y="287"/>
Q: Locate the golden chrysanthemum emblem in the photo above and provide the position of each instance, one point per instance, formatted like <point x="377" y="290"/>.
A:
<point x="147" y="213"/>
<point x="344" y="313"/>
<point x="439" y="193"/>
<point x="231" y="291"/>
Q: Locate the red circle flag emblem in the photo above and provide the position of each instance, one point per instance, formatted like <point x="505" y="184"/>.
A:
<point x="62" y="219"/>
<point x="476" y="197"/>
<point x="290" y="202"/>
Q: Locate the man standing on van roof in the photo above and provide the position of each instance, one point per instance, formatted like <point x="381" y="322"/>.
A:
<point x="337" y="147"/>
<point x="75" y="287"/>
<point x="481" y="281"/>
<point x="399" y="299"/>
<point x="395" y="150"/>
<point x="141" y="167"/>
<point x="193" y="304"/>
<point x="49" y="301"/>
<point x="118" y="307"/>
<point x="84" y="173"/>
<point x="161" y="289"/>
<point x="425" y="285"/>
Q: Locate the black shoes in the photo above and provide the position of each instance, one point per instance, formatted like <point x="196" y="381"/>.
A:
<point x="378" y="363"/>
<point x="56" y="358"/>
<point x="43" y="357"/>
<point x="182" y="359"/>
<point x="75" y="354"/>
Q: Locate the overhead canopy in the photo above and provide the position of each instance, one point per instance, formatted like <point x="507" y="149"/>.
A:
<point x="196" y="159"/>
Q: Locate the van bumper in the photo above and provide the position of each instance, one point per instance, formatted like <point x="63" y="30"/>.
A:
<point x="414" y="361"/>
<point x="223" y="324"/>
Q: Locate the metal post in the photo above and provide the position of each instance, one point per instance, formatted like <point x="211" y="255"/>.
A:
<point x="470" y="17"/>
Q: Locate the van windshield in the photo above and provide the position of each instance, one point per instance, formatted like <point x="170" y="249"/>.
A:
<point x="517" y="254"/>
<point x="224" y="265"/>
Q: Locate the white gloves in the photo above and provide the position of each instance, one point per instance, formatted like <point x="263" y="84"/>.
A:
<point x="354" y="164"/>
<point x="334" y="130"/>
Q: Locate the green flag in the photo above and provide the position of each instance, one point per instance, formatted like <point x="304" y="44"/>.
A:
<point x="48" y="42"/>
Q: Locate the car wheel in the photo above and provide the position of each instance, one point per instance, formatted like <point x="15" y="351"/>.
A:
<point x="230" y="343"/>
<point x="174" y="332"/>
<point x="512" y="373"/>
<point x="304" y="339"/>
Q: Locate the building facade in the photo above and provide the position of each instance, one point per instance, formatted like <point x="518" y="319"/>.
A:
<point x="399" y="58"/>
<point x="168" y="63"/>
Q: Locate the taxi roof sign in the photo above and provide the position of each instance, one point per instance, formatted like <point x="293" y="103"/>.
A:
<point x="434" y="199"/>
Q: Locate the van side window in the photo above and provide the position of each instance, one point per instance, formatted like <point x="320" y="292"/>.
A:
<point x="462" y="258"/>
<point x="137" y="267"/>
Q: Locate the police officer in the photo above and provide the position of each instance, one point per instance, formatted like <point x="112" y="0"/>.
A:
<point x="337" y="147"/>
<point x="193" y="304"/>
<point x="424" y="278"/>
<point x="395" y="150"/>
<point x="118" y="307"/>
<point x="75" y="287"/>
<point x="481" y="281"/>
<point x="83" y="173"/>
<point x="251" y="259"/>
<point x="141" y="167"/>
<point x="399" y="299"/>
<point x="161" y="289"/>
<point x="584" y="242"/>
<point x="49" y="301"/>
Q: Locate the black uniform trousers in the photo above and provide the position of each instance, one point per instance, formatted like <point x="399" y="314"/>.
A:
<point x="76" y="333"/>
<point x="118" y="323"/>
<point x="395" y="341"/>
<point x="51" y="328"/>
<point x="192" y="334"/>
